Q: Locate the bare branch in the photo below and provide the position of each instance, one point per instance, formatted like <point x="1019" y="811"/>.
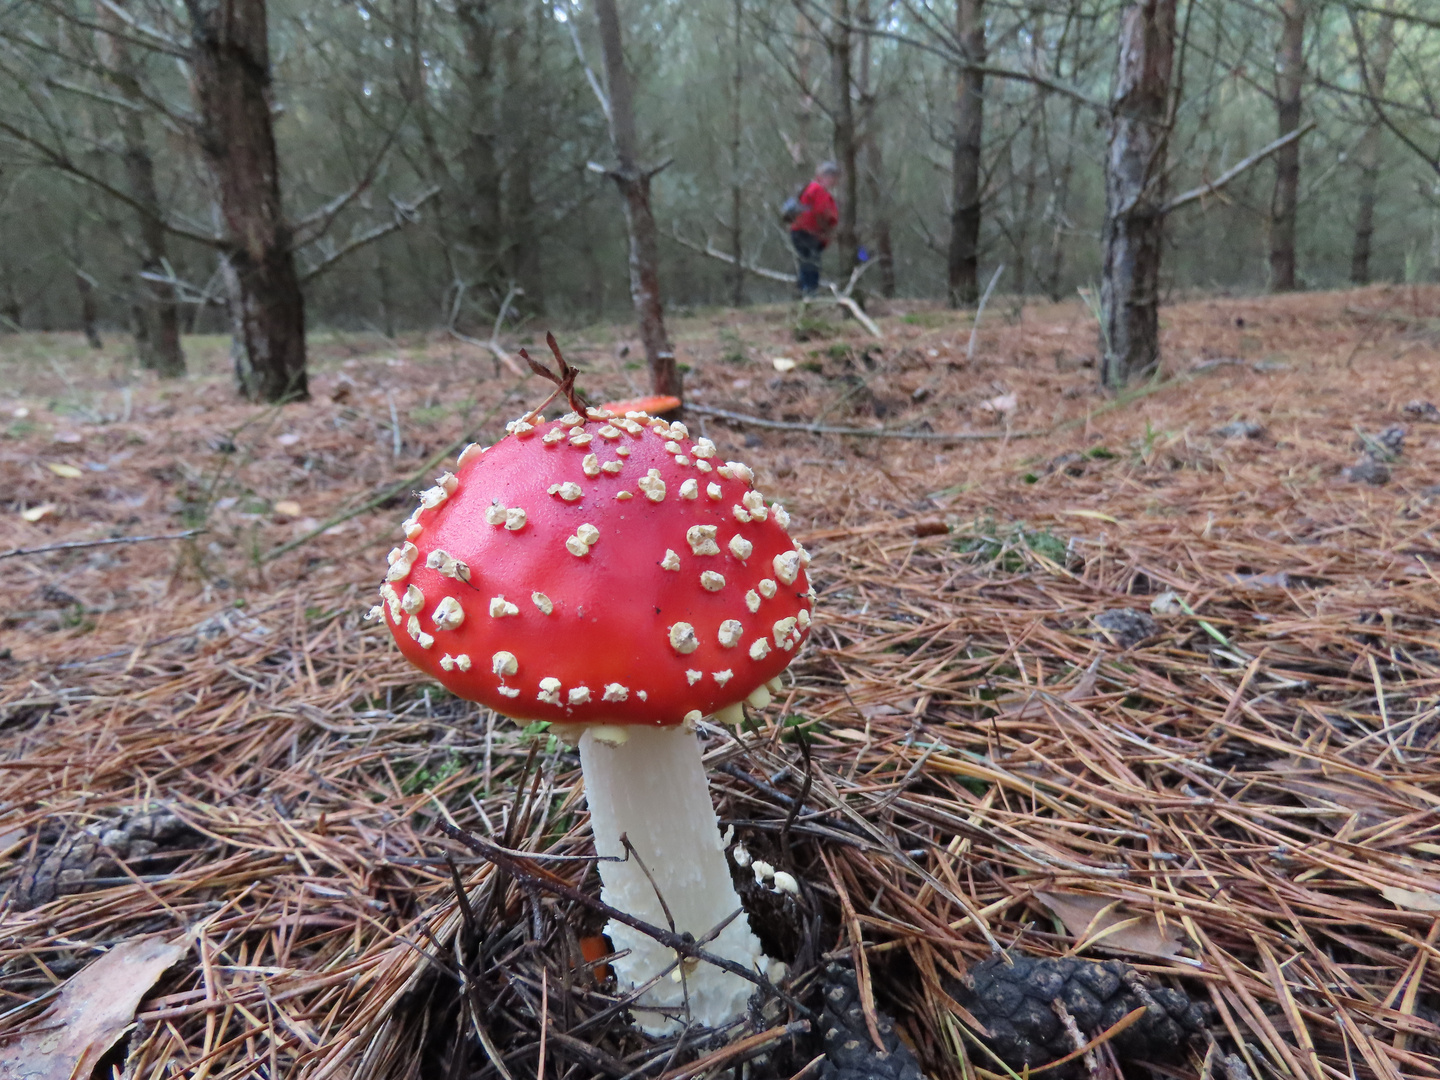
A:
<point x="1195" y="194"/>
<point x="405" y="214"/>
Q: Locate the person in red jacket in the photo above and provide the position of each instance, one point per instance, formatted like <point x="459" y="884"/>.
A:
<point x="811" y="229"/>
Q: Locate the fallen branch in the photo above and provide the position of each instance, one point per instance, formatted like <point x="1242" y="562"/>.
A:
<point x="493" y="345"/>
<point x="1195" y="194"/>
<point x="74" y="545"/>
<point x="750" y="268"/>
<point x="868" y="433"/>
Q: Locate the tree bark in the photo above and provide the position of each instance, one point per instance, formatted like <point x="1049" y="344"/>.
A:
<point x="634" y="185"/>
<point x="1289" y="76"/>
<point x="89" y="310"/>
<point x="841" y="75"/>
<point x="156" y="307"/>
<point x="1134" y="192"/>
<point x="1368" y="153"/>
<point x="964" y="262"/>
<point x="874" y="160"/>
<point x="230" y="68"/>
<point x="479" y="159"/>
<point x="737" y="130"/>
<point x="522" y="261"/>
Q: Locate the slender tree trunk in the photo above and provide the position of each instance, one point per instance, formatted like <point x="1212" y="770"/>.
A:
<point x="1134" y="192"/>
<point x="89" y="310"/>
<point x="156" y="309"/>
<point x="804" y="167"/>
<point x="522" y="262"/>
<point x="634" y="185"/>
<point x="480" y="158"/>
<point x="1289" y="78"/>
<point x="1368" y="152"/>
<point x="874" y="161"/>
<point x="230" y="66"/>
<point x="964" y="262"/>
<point x="842" y="79"/>
<point x="737" y="180"/>
<point x="1059" y="208"/>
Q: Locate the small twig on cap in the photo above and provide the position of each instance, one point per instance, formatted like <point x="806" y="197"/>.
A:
<point x="564" y="382"/>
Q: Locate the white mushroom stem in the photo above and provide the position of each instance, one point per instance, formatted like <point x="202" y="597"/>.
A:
<point x="651" y="787"/>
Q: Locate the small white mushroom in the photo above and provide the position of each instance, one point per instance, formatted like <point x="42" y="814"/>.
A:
<point x="763" y="871"/>
<point x="671" y="561"/>
<point x="741" y="856"/>
<point x="730" y="631"/>
<point x="711" y="581"/>
<point x="786" y="883"/>
<point x="682" y="638"/>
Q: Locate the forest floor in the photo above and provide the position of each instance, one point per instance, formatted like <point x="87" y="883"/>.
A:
<point x="1233" y="784"/>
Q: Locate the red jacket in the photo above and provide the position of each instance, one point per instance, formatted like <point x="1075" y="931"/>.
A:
<point x="820" y="215"/>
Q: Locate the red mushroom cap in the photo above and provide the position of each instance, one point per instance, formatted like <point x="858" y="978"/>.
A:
<point x="602" y="570"/>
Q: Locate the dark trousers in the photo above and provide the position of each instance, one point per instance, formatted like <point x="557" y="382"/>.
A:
<point x="807" y="260"/>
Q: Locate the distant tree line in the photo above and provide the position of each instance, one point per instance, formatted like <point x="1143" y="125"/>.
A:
<point x="259" y="166"/>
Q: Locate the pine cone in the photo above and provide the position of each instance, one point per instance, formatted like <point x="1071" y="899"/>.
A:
<point x="68" y="862"/>
<point x="850" y="1052"/>
<point x="1014" y="996"/>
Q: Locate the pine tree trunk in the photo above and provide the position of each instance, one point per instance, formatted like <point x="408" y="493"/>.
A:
<point x="873" y="156"/>
<point x="737" y="130"/>
<point x="634" y="185"/>
<point x="964" y="262"/>
<point x="230" y="68"/>
<point x="89" y="310"/>
<point x="1368" y="153"/>
<point x="1134" y="193"/>
<point x="841" y="77"/>
<point x="1289" y="76"/>
<point x="522" y="262"/>
<point x="479" y="159"/>
<point x="156" y="310"/>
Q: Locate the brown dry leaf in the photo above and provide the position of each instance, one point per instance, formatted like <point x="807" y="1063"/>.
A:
<point x="287" y="508"/>
<point x="1411" y="899"/>
<point x="59" y="468"/>
<point x="1086" y="917"/>
<point x="38" y="513"/>
<point x="94" y="1008"/>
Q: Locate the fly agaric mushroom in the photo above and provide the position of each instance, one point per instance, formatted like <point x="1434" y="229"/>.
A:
<point x="613" y="576"/>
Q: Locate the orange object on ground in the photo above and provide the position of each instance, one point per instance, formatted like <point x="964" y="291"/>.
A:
<point x="656" y="405"/>
<point x="593" y="948"/>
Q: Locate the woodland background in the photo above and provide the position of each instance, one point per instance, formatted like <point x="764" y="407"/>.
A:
<point x="430" y="156"/>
